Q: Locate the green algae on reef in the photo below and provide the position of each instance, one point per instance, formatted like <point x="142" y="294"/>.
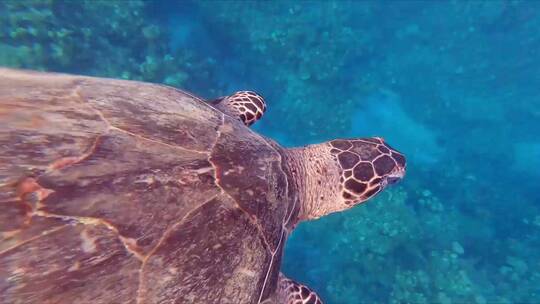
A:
<point x="105" y="38"/>
<point x="464" y="227"/>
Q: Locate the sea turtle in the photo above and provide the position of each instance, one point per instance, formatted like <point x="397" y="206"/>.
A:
<point x="116" y="191"/>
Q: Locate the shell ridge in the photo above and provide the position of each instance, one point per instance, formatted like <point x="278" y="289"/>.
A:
<point x="43" y="234"/>
<point x="224" y="192"/>
<point x="251" y="219"/>
<point x="211" y="152"/>
<point x="66" y="162"/>
<point x="111" y="126"/>
<point x="163" y="237"/>
<point x="70" y="161"/>
<point x="286" y="217"/>
<point x="282" y="171"/>
<point x="129" y="244"/>
<point x="270" y="267"/>
<point x="185" y="93"/>
<point x="218" y="135"/>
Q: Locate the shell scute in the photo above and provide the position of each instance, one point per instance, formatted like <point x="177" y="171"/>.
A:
<point x="70" y="264"/>
<point x="139" y="188"/>
<point x="200" y="248"/>
<point x="161" y="113"/>
<point x="238" y="170"/>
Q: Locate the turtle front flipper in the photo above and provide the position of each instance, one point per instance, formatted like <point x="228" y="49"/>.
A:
<point x="247" y="106"/>
<point x="291" y="292"/>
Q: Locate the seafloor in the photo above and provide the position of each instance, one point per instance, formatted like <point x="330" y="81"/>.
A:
<point x="454" y="85"/>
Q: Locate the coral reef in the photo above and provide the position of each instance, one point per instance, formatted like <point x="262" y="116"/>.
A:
<point x="454" y="84"/>
<point x="105" y="38"/>
<point x="390" y="252"/>
<point x="284" y="53"/>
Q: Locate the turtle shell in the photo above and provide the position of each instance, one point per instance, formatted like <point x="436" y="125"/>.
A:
<point x="117" y="191"/>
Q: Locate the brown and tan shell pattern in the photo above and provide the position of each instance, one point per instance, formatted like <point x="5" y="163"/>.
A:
<point x="124" y="192"/>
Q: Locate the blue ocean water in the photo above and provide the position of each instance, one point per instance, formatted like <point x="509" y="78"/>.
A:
<point x="455" y="85"/>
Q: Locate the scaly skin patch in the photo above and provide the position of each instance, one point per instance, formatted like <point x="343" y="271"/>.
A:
<point x="247" y="106"/>
<point x="366" y="164"/>
<point x="334" y="176"/>
<point x="291" y="292"/>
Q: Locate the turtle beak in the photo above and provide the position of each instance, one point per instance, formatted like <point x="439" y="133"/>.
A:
<point x="392" y="180"/>
<point x="394" y="177"/>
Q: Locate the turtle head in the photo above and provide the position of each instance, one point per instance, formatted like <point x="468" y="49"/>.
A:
<point x="366" y="167"/>
<point x="340" y="174"/>
<point x="247" y="106"/>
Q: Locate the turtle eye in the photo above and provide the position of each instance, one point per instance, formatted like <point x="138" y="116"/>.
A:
<point x="247" y="105"/>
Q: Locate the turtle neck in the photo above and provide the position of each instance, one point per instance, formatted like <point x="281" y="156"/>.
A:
<point x="316" y="176"/>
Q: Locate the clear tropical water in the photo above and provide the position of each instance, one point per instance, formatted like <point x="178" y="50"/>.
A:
<point x="454" y="85"/>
